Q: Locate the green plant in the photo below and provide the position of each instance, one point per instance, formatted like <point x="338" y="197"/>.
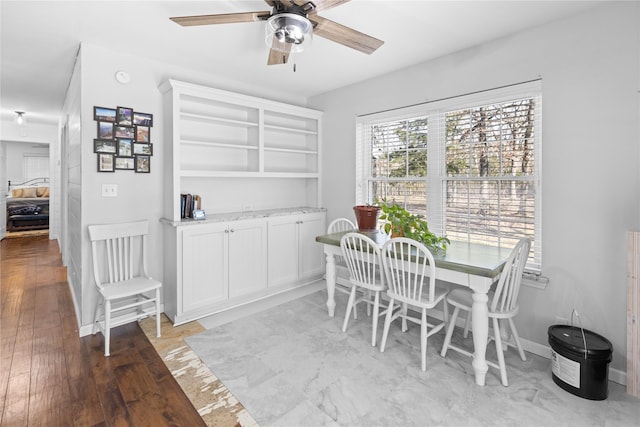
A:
<point x="401" y="222"/>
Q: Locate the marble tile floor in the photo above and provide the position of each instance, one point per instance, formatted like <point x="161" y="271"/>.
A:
<point x="291" y="365"/>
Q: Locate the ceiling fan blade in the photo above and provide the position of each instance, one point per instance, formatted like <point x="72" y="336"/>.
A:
<point x="321" y="4"/>
<point x="276" y="54"/>
<point x="223" y="18"/>
<point x="344" y="35"/>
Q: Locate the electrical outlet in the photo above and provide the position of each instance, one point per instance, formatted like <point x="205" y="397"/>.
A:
<point x="109" y="190"/>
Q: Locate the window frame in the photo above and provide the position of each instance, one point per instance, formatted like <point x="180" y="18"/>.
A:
<point x="436" y="177"/>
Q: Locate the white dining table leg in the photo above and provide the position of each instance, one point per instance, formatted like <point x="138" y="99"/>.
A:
<point x="480" y="328"/>
<point x="330" y="278"/>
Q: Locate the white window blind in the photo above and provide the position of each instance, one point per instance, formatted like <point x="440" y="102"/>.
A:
<point x="35" y="166"/>
<point x="470" y="164"/>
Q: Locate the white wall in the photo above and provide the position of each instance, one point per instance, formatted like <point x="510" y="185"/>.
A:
<point x="139" y="195"/>
<point x="589" y="65"/>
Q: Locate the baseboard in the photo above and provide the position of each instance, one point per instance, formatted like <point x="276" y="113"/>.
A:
<point x="86" y="330"/>
<point x="76" y="307"/>
<point x="615" y="375"/>
<point x="246" y="309"/>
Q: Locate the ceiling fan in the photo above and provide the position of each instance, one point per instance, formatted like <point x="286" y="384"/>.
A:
<point x="291" y="25"/>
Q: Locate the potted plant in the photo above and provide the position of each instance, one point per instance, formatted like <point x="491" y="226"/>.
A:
<point x="400" y="222"/>
<point x="367" y="217"/>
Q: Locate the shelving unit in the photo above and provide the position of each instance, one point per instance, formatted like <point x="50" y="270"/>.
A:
<point x="255" y="164"/>
<point x="231" y="142"/>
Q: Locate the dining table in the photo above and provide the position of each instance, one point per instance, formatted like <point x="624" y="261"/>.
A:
<point x="473" y="265"/>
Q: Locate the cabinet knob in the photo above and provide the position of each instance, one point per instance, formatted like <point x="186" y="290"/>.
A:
<point x="226" y="231"/>
<point x="232" y="230"/>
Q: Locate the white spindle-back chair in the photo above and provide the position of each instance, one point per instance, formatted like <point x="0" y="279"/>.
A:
<point x="120" y="274"/>
<point x="503" y="306"/>
<point x="411" y="277"/>
<point x="362" y="257"/>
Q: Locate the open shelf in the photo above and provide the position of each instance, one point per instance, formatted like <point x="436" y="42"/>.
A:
<point x="217" y="136"/>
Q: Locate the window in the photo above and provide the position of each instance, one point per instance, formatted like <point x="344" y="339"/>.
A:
<point x="470" y="164"/>
<point x="35" y="166"/>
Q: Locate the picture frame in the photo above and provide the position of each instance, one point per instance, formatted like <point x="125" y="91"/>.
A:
<point x="125" y="148"/>
<point x="105" y="130"/>
<point x="103" y="114"/>
<point x="124" y="116"/>
<point x="142" y="134"/>
<point x="142" y="119"/>
<point x="105" y="146"/>
<point x="124" y="163"/>
<point x="126" y="132"/>
<point x="143" y="164"/>
<point x="106" y="162"/>
<point x="142" y="148"/>
<point x="123" y="139"/>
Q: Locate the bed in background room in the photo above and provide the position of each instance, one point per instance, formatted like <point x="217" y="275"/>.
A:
<point x="28" y="205"/>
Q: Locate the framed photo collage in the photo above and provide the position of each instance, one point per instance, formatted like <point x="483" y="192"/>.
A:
<point x="124" y="139"/>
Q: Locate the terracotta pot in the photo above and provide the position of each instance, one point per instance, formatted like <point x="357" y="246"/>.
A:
<point x="367" y="217"/>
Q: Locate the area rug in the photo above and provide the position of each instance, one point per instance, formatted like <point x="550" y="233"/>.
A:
<point x="217" y="406"/>
<point x="292" y="365"/>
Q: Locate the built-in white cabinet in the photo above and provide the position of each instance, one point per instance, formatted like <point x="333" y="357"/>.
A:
<point x="220" y="263"/>
<point x="205" y="274"/>
<point x="294" y="255"/>
<point x="253" y="162"/>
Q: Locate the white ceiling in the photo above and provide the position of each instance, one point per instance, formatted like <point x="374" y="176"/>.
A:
<point x="40" y="39"/>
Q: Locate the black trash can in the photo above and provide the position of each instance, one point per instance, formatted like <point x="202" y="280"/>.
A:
<point x="579" y="369"/>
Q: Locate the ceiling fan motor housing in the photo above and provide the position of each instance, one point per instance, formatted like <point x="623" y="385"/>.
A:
<point x="290" y="28"/>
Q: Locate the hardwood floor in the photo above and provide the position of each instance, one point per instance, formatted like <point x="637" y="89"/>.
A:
<point x="49" y="376"/>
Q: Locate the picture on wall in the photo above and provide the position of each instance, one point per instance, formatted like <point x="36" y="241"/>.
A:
<point x="125" y="116"/>
<point x="105" y="162"/>
<point x="102" y="114"/>
<point x="142" y="119"/>
<point x="104" y="146"/>
<point x="142" y="148"/>
<point x="124" y="139"/>
<point x="105" y="130"/>
<point x="125" y="148"/>
<point x="143" y="164"/>
<point x="142" y="133"/>
<point x="126" y="132"/>
<point x="125" y="163"/>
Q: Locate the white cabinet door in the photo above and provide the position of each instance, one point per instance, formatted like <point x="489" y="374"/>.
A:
<point x="204" y="266"/>
<point x="311" y="258"/>
<point x="294" y="254"/>
<point x="247" y="257"/>
<point x="283" y="250"/>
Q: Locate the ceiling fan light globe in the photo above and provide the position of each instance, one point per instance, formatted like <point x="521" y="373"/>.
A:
<point x="291" y="31"/>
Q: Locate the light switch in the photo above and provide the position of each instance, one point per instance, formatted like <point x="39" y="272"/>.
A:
<point x="109" y="190"/>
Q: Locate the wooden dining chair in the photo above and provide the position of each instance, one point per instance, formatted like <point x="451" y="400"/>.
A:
<point x="410" y="272"/>
<point x="120" y="274"/>
<point x="503" y="305"/>
<point x="362" y="258"/>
